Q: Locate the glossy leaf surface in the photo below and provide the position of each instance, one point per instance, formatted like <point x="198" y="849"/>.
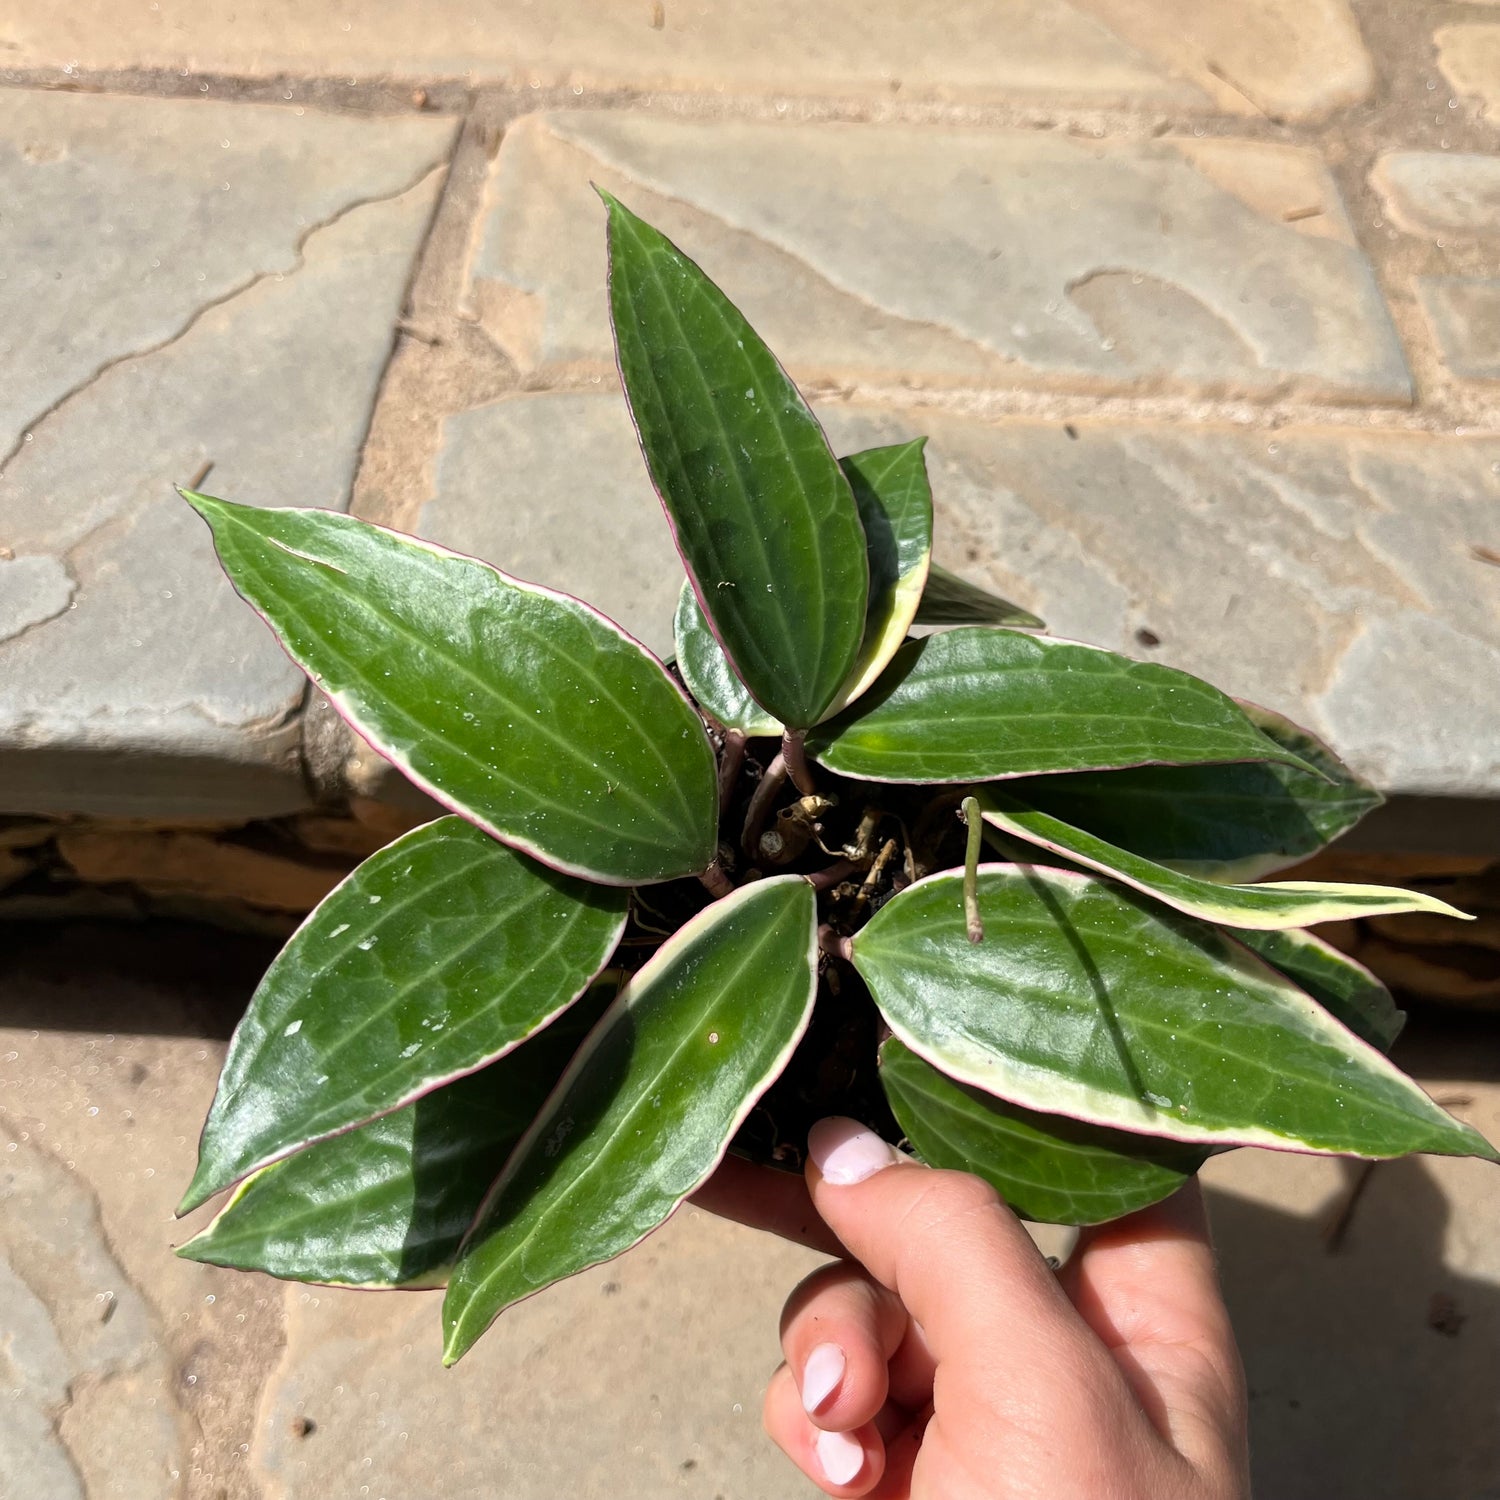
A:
<point x="647" y="1108"/>
<point x="709" y="677"/>
<point x="1224" y="822"/>
<point x="1049" y="1169"/>
<point x="895" y="507"/>
<point x="523" y="709"/>
<point x="977" y="704"/>
<point x="1278" y="904"/>
<point x="1089" y="1001"/>
<point x="437" y="955"/>
<point x="950" y="600"/>
<point x="387" y="1204"/>
<point x="762" y="513"/>
<point x="1345" y="989"/>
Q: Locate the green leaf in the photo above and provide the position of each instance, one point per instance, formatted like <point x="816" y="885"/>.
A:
<point x="951" y="600"/>
<point x="1049" y="1169"/>
<point x="709" y="677"/>
<point x="647" y="1109"/>
<point x="387" y="1204"/>
<point x="1085" y="1000"/>
<point x="1347" y="990"/>
<point x="895" y="507"/>
<point x="1228" y="823"/>
<point x="760" y="509"/>
<point x="522" y="709"/>
<point x="1280" y="904"/>
<point x="437" y="955"/>
<point x="977" y="704"/>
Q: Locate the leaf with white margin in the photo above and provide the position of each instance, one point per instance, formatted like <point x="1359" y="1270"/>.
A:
<point x="1274" y="905"/>
<point x="1228" y="823"/>
<point x="387" y="1204"/>
<point x="980" y="703"/>
<point x="709" y="677"/>
<point x="1048" y="1168"/>
<point x="951" y="600"/>
<point x="1344" y="988"/>
<point x="437" y="955"/>
<point x="647" y="1109"/>
<point x="1086" y="1000"/>
<point x="895" y="506"/>
<point x="523" y="709"/>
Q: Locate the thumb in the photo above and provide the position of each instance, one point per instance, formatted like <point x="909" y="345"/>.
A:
<point x="955" y="1255"/>
<point x="1147" y="1286"/>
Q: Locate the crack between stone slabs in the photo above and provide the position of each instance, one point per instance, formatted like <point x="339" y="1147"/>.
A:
<point x="30" y="625"/>
<point x="299" y="247"/>
<point x="461" y="133"/>
<point x="56" y="1412"/>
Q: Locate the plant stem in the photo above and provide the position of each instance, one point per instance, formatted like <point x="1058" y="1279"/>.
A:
<point x="760" y="804"/>
<point x="834" y="945"/>
<point x="718" y="883"/>
<point x="830" y="875"/>
<point x="794" y="753"/>
<point x="731" y="761"/>
<point x="972" y="919"/>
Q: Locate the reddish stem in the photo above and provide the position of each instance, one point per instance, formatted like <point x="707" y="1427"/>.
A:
<point x="760" y="804"/>
<point x="794" y="753"/>
<point x="830" y="875"/>
<point x="834" y="945"/>
<point x="731" y="761"/>
<point x="718" y="883"/>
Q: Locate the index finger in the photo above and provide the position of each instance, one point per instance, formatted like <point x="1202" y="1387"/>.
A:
<point x="957" y="1257"/>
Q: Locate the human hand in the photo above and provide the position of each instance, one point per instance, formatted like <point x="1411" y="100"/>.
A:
<point x="948" y="1361"/>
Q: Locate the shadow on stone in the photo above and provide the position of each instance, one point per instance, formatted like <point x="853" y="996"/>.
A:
<point x="1371" y="1370"/>
<point x="152" y="978"/>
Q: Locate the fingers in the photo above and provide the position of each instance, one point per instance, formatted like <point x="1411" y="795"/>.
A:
<point x="767" y="1199"/>
<point x="958" y="1259"/>
<point x="842" y="1463"/>
<point x="1147" y="1286"/>
<point x="838" y="1333"/>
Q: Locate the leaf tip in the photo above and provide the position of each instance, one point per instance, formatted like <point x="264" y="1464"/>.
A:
<point x="199" y="1191"/>
<point x="608" y="199"/>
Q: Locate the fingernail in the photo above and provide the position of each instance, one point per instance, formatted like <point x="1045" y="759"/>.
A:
<point x="846" y="1152"/>
<point x="821" y="1375"/>
<point x="841" y="1456"/>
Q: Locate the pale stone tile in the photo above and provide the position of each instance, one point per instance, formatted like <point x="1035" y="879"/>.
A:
<point x="1287" y="59"/>
<point x="970" y="50"/>
<point x="892" y="255"/>
<point x="233" y="292"/>
<point x="1464" y="314"/>
<point x="1469" y="57"/>
<point x="1440" y="192"/>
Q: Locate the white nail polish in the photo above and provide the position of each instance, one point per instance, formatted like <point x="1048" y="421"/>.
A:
<point x="821" y="1375"/>
<point x="846" y="1153"/>
<point x="841" y="1456"/>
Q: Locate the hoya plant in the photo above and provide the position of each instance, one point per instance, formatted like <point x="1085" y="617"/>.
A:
<point x="996" y="894"/>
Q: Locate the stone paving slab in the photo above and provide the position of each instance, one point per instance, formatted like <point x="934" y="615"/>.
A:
<point x="639" y="1379"/>
<point x="901" y="256"/>
<point x="233" y="275"/>
<point x="1469" y="56"/>
<point x="1464" y="313"/>
<point x="1290" y="59"/>
<point x="1436" y="192"/>
<point x="1329" y="576"/>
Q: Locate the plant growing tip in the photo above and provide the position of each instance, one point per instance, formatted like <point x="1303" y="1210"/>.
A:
<point x="434" y="1083"/>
